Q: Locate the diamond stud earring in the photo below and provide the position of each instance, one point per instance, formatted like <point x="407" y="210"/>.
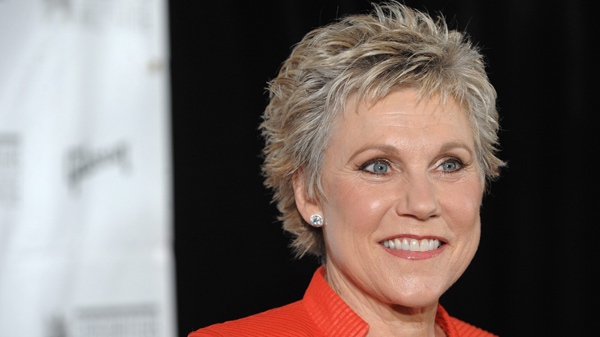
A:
<point x="316" y="220"/>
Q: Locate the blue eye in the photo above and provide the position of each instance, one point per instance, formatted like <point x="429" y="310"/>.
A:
<point x="376" y="166"/>
<point x="451" y="165"/>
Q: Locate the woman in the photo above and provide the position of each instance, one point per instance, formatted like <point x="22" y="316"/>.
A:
<point x="381" y="135"/>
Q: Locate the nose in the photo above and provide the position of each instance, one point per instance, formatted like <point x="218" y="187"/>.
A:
<point x="419" y="199"/>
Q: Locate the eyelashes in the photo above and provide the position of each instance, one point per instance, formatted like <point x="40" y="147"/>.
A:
<point x="382" y="166"/>
<point x="377" y="166"/>
<point x="452" y="165"/>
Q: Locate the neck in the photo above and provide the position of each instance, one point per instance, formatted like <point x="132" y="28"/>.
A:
<point x="387" y="319"/>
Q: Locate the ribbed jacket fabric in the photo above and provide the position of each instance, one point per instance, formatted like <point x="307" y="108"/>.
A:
<point x="321" y="313"/>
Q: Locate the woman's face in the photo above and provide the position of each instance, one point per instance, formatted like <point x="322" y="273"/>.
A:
<point x="402" y="192"/>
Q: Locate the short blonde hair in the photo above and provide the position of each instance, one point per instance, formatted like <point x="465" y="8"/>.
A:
<point x="371" y="55"/>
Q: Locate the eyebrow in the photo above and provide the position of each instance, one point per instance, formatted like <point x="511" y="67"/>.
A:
<point x="387" y="149"/>
<point x="454" y="145"/>
<point x="391" y="150"/>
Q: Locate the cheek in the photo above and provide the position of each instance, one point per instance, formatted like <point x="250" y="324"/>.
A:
<point x="354" y="207"/>
<point x="462" y="207"/>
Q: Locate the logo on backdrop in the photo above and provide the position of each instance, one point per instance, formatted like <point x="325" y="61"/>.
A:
<point x="64" y="6"/>
<point x="9" y="168"/>
<point x="118" y="321"/>
<point x="56" y="327"/>
<point x="84" y="162"/>
<point x="102" y="13"/>
<point x="134" y="320"/>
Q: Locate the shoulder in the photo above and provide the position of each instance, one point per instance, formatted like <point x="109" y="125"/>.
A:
<point x="290" y="320"/>
<point x="465" y="329"/>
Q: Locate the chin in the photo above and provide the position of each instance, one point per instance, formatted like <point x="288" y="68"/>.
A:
<point x="416" y="303"/>
<point x="418" y="299"/>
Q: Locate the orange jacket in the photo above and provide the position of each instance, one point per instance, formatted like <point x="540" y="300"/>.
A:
<point x="321" y="313"/>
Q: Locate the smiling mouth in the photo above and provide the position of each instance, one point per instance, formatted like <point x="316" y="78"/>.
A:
<point x="412" y="245"/>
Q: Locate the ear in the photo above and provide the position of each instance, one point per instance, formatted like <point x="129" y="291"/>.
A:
<point x="306" y="205"/>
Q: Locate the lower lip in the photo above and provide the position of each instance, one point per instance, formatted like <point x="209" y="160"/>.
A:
<point x="413" y="255"/>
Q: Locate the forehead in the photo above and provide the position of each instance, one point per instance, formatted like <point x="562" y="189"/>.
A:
<point x="404" y="108"/>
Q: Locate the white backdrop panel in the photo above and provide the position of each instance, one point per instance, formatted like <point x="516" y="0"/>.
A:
<point x="85" y="176"/>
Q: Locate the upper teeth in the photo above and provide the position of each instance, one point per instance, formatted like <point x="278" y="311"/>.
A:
<point x="412" y="244"/>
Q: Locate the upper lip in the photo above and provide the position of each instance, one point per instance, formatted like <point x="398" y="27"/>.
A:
<point x="413" y="236"/>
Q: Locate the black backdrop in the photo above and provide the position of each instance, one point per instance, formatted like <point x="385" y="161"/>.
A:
<point x="532" y="273"/>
